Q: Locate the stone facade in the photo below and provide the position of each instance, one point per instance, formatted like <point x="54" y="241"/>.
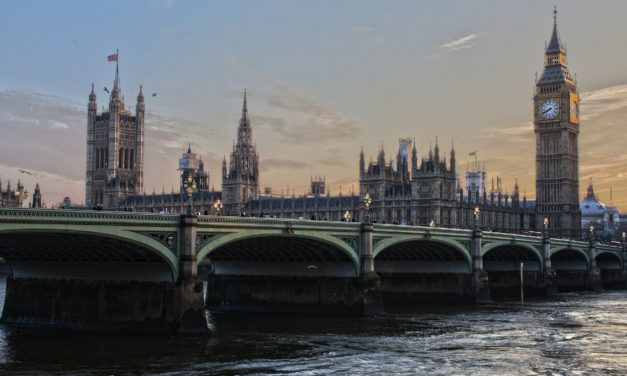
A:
<point x="115" y="149"/>
<point x="240" y="181"/>
<point x="556" y="124"/>
<point x="13" y="198"/>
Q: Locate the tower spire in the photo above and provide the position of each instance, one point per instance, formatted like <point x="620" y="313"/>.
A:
<point x="116" y="83"/>
<point x="244" y="105"/>
<point x="555" y="44"/>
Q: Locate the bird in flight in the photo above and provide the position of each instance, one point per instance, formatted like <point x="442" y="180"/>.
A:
<point x="107" y="90"/>
<point x="154" y="94"/>
<point x="25" y="172"/>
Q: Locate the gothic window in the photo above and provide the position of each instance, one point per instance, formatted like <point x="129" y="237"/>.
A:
<point x="120" y="158"/>
<point x="97" y="158"/>
<point x="126" y="158"/>
<point x="132" y="162"/>
<point x="106" y="158"/>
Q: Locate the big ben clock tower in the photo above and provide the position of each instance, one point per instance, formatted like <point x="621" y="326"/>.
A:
<point x="556" y="125"/>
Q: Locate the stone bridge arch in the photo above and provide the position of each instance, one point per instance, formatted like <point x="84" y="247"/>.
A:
<point x="279" y="254"/>
<point x="608" y="260"/>
<point x="86" y="252"/>
<point x="417" y="254"/>
<point x="569" y="258"/>
<point x="506" y="256"/>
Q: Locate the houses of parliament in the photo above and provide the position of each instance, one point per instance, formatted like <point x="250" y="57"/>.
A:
<point x="404" y="189"/>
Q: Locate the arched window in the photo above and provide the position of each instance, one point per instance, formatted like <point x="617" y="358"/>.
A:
<point x="132" y="162"/>
<point x="125" y="158"/>
<point x="121" y="158"/>
<point x="97" y="158"/>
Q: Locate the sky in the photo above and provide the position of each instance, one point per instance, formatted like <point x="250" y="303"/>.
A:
<point x="324" y="78"/>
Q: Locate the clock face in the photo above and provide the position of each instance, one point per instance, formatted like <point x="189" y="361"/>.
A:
<point x="574" y="109"/>
<point x="549" y="109"/>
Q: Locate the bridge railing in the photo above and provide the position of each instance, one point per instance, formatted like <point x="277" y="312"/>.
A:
<point x="51" y="215"/>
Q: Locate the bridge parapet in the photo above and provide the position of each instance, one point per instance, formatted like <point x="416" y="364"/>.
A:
<point x="74" y="216"/>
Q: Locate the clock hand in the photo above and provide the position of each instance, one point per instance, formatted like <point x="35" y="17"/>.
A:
<point x="547" y="110"/>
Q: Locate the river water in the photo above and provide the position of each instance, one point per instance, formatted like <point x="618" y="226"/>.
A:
<point x="574" y="334"/>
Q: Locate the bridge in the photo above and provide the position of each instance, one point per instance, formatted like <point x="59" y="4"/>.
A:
<point x="122" y="270"/>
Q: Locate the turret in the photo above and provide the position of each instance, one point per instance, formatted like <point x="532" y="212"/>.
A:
<point x="92" y="106"/>
<point x="362" y="162"/>
<point x="140" y="101"/>
<point x="453" y="160"/>
<point x="414" y="158"/>
<point x="36" y="197"/>
<point x="116" y="101"/>
<point x="436" y="153"/>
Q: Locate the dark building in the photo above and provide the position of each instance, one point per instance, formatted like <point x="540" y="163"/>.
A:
<point x="556" y="125"/>
<point x="240" y="181"/>
<point x="115" y="149"/>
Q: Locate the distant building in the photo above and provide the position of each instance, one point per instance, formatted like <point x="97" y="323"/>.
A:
<point x="556" y="125"/>
<point x="115" y="149"/>
<point x="425" y="192"/>
<point x="191" y="164"/>
<point x="36" y="198"/>
<point x="603" y="219"/>
<point x="240" y="180"/>
<point x="13" y="198"/>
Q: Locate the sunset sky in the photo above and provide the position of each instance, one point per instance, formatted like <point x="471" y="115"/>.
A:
<point x="323" y="79"/>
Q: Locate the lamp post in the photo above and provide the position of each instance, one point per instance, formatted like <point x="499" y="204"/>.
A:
<point x="346" y="216"/>
<point x="432" y="223"/>
<point x="622" y="241"/>
<point x="591" y="235"/>
<point x="217" y="207"/>
<point x="476" y="213"/>
<point x="20" y="196"/>
<point x="190" y="188"/>
<point x="546" y="228"/>
<point x="367" y="201"/>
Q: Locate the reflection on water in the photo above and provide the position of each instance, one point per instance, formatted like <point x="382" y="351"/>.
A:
<point x="575" y="334"/>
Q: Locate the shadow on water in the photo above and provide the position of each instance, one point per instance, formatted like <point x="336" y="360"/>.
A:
<point x="541" y="337"/>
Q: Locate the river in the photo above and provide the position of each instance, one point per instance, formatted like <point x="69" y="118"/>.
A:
<point x="574" y="334"/>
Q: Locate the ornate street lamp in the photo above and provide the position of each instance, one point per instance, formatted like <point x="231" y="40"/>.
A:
<point x="432" y="223"/>
<point x="190" y="188"/>
<point x="217" y="207"/>
<point x="346" y="216"/>
<point x="20" y="197"/>
<point x="622" y="240"/>
<point x="591" y="236"/>
<point x="367" y="201"/>
<point x="476" y="213"/>
<point x="546" y="228"/>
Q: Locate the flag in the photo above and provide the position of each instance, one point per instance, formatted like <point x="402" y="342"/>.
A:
<point x="473" y="153"/>
<point x="113" y="57"/>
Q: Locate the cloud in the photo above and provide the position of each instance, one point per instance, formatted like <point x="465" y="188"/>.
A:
<point x="331" y="156"/>
<point x="595" y="103"/>
<point x="282" y="164"/>
<point x="319" y="124"/>
<point x="518" y="133"/>
<point x="53" y="132"/>
<point x="461" y="43"/>
<point x="168" y="3"/>
<point x="360" y="29"/>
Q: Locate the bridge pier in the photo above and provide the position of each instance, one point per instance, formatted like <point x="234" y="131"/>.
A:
<point x="369" y="281"/>
<point x="123" y="287"/>
<point x="549" y="274"/>
<point x="480" y="285"/>
<point x="189" y="302"/>
<point x="593" y="278"/>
